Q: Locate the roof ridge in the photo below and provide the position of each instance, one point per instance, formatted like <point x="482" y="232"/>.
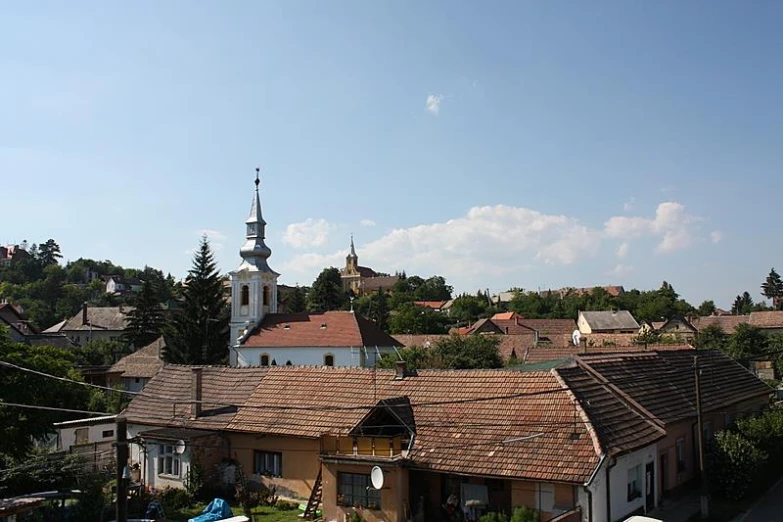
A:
<point x="590" y="428"/>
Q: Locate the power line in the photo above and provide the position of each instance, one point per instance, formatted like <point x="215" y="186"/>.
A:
<point x="50" y="408"/>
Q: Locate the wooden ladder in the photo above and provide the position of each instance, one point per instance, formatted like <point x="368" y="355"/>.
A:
<point x="311" y="510"/>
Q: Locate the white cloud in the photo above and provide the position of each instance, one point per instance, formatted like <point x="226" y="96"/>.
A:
<point x="628" y="205"/>
<point x="433" y="103"/>
<point x="622" y="250"/>
<point x="215" y="240"/>
<point x="309" y="233"/>
<point x="621" y="270"/>
<point x="671" y="223"/>
<point x="487" y="240"/>
<point x="367" y="223"/>
<point x="211" y="234"/>
<point x="716" y="236"/>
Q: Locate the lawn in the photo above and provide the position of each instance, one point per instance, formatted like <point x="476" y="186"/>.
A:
<point x="268" y="514"/>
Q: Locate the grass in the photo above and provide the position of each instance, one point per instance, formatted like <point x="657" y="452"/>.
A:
<point x="268" y="514"/>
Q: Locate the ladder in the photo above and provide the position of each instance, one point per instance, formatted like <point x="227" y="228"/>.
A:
<point x="315" y="499"/>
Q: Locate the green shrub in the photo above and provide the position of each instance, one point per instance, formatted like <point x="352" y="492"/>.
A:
<point x="494" y="516"/>
<point x="286" y="505"/>
<point x="736" y="465"/>
<point x="524" y="514"/>
<point x="173" y="499"/>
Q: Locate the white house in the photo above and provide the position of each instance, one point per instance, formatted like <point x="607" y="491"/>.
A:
<point x="328" y="339"/>
<point x="86" y="432"/>
<point x="94" y="323"/>
<point x="610" y="321"/>
<point x="133" y="371"/>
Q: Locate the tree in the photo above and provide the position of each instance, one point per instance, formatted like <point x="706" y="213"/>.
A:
<point x="327" y="292"/>
<point x="743" y="304"/>
<point x="415" y="357"/>
<point x="297" y="301"/>
<point x="21" y="427"/>
<point x="772" y="289"/>
<point x="468" y="351"/>
<point x="735" y="465"/>
<point x="145" y="321"/>
<point x="49" y="253"/>
<point x="706" y="308"/>
<point x="711" y="337"/>
<point x="745" y="342"/>
<point x="468" y="308"/>
<point x="412" y="319"/>
<point x="378" y="309"/>
<point x="433" y="289"/>
<point x="198" y="333"/>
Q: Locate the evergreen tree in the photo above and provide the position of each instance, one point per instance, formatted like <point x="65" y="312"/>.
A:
<point x="706" y="308"/>
<point x="772" y="289"/>
<point x="327" y="292"/>
<point x="378" y="309"/>
<point x="198" y="333"/>
<point x="297" y="301"/>
<point x="49" y="253"/>
<point x="145" y="321"/>
<point x="743" y="304"/>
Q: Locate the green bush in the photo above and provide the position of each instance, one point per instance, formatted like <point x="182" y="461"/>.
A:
<point x="494" y="516"/>
<point x="173" y="499"/>
<point x="524" y="514"/>
<point x="736" y="465"/>
<point x="286" y="505"/>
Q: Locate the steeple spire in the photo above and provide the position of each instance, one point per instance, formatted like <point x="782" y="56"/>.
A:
<point x="255" y="252"/>
<point x="353" y="250"/>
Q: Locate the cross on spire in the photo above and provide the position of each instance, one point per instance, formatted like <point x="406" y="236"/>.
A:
<point x="258" y="169"/>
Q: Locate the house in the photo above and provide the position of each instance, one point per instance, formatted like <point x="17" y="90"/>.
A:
<point x="93" y="438"/>
<point x="613" y="321"/>
<point x="121" y="285"/>
<point x="10" y="254"/>
<point x="15" y="319"/>
<point x="770" y="322"/>
<point x="133" y="371"/>
<point x="551" y="440"/>
<point x="330" y="339"/>
<point x="661" y="386"/>
<point x="94" y="323"/>
<point x="676" y="328"/>
<point x="612" y="290"/>
<point x="435" y="306"/>
<point x="362" y="280"/>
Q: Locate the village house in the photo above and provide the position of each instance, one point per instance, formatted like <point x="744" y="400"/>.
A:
<point x="579" y="441"/>
<point x="261" y="335"/>
<point x="133" y="371"/>
<point x="94" y="323"/>
<point x="120" y="285"/>
<point x="770" y="322"/>
<point x="607" y="322"/>
<point x="10" y="254"/>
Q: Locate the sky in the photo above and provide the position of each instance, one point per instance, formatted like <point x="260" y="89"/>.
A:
<point x="499" y="144"/>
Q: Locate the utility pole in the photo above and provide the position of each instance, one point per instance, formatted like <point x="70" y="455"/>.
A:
<point x="705" y="505"/>
<point x="122" y="461"/>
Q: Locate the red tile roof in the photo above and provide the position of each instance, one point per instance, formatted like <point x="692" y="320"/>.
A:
<point x="769" y="319"/>
<point x="727" y="323"/>
<point x="143" y="363"/>
<point x="328" y="329"/>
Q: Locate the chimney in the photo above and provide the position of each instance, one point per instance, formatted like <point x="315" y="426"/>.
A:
<point x="402" y="367"/>
<point x="84" y="313"/>
<point x="195" y="391"/>
<point x="538" y="339"/>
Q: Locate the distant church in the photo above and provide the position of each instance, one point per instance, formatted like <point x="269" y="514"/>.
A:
<point x="261" y="336"/>
<point x="361" y="280"/>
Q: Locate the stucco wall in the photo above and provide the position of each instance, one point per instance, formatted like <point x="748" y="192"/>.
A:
<point x="94" y="434"/>
<point x="394" y="495"/>
<point x="618" y="477"/>
<point x="343" y="356"/>
<point x="300" y="462"/>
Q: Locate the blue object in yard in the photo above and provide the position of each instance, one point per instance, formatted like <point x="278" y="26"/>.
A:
<point x="218" y="509"/>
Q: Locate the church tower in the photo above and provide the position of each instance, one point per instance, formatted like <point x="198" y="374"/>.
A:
<point x="253" y="284"/>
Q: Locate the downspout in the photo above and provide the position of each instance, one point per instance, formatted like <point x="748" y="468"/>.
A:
<point x="608" y="490"/>
<point x="587" y="488"/>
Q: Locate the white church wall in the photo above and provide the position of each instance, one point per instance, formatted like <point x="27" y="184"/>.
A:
<point x="309" y="356"/>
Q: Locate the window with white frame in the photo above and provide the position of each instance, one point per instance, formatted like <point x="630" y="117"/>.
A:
<point x="635" y="482"/>
<point x="545" y="497"/>
<point x="268" y="463"/>
<point x="168" y="460"/>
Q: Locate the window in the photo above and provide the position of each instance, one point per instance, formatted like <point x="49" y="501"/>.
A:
<point x="706" y="431"/>
<point x="264" y="359"/>
<point x="545" y="497"/>
<point x="168" y="461"/>
<point x="266" y="296"/>
<point x="289" y="363"/>
<point x="680" y="447"/>
<point x="107" y="434"/>
<point x="356" y="490"/>
<point x="328" y="359"/>
<point x="635" y="482"/>
<point x="137" y="380"/>
<point x="244" y="299"/>
<point x="268" y="463"/>
<point x="728" y="420"/>
<point x="82" y="435"/>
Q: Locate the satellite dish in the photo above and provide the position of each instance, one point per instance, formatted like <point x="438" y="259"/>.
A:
<point x="376" y="476"/>
<point x="576" y="337"/>
<point x="180" y="448"/>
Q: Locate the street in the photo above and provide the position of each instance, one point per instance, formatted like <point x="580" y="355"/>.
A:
<point x="769" y="508"/>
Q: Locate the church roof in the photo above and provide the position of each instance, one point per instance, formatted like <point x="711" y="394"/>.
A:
<point x="328" y="329"/>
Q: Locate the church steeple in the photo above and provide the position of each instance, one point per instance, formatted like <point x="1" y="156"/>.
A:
<point x="352" y="260"/>
<point x="353" y="250"/>
<point x="255" y="252"/>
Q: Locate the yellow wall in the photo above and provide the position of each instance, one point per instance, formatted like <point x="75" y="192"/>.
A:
<point x="394" y="495"/>
<point x="301" y="461"/>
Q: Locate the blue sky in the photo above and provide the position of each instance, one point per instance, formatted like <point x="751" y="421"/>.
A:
<point x="498" y="144"/>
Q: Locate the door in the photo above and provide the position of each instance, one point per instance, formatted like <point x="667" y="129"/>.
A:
<point x="664" y="469"/>
<point x="649" y="487"/>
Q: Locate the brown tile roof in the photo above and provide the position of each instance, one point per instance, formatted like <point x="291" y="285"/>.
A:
<point x="143" y="363"/>
<point x="663" y="383"/>
<point x="165" y="400"/>
<point x="99" y="318"/>
<point x="383" y="282"/>
<point x="504" y="316"/>
<point x="365" y="271"/>
<point x="461" y="423"/>
<point x="434" y="305"/>
<point x="328" y="329"/>
<point x="727" y="323"/>
<point x="543" y="353"/>
<point x="419" y="339"/>
<point x="769" y="319"/>
<point x="620" y="428"/>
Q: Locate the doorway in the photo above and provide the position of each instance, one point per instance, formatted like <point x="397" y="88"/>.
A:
<point x="649" y="487"/>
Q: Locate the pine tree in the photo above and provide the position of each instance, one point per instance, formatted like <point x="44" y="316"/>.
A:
<point x="49" y="253"/>
<point x="327" y="292"/>
<point x="198" y="333"/>
<point x="297" y="301"/>
<point x="772" y="289"/>
<point x="743" y="304"/>
<point x="145" y="321"/>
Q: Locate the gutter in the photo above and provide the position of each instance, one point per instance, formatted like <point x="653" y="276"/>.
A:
<point x="587" y="484"/>
<point x="608" y="490"/>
